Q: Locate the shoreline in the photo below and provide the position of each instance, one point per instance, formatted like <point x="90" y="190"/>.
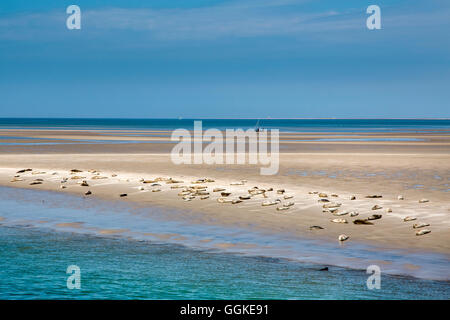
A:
<point x="305" y="212"/>
<point x="415" y="170"/>
<point x="228" y="240"/>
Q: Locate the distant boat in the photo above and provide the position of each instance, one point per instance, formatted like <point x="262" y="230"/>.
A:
<point x="257" y="128"/>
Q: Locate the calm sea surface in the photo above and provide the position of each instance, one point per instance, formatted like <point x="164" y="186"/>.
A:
<point x="291" y="125"/>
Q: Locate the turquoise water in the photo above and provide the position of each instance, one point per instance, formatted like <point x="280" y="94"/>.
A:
<point x="33" y="265"/>
<point x="35" y="253"/>
<point x="294" y="125"/>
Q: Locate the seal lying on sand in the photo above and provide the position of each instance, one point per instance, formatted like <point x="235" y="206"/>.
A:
<point x="422" y="232"/>
<point x="331" y="205"/>
<point x="270" y="203"/>
<point x="375" y="217"/>
<point x="339" y="221"/>
<point x="420" y="225"/>
<point x="343" y="213"/>
<point x="406" y="219"/>
<point x="224" y="200"/>
<point x="353" y="213"/>
<point x="361" y="221"/>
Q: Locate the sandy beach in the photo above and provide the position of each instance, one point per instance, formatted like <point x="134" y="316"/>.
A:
<point x="343" y="166"/>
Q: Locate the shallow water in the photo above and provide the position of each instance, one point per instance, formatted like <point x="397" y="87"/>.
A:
<point x="158" y="254"/>
<point x="33" y="265"/>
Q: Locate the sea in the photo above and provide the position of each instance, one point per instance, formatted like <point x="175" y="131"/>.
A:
<point x="284" y="125"/>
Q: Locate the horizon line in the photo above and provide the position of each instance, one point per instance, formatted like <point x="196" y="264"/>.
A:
<point x="237" y="118"/>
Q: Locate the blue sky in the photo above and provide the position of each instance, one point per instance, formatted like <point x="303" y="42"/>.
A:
<point x="211" y="58"/>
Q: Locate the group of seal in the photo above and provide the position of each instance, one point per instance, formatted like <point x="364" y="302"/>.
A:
<point x="199" y="189"/>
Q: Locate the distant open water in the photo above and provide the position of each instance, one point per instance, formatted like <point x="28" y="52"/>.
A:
<point x="290" y="125"/>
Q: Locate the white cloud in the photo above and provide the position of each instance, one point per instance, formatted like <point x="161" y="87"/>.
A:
<point x="244" y="18"/>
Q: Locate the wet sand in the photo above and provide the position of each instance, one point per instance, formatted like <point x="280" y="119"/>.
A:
<point x="413" y="169"/>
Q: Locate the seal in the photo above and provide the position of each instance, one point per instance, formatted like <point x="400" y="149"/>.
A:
<point x="422" y="232"/>
<point x="343" y="213"/>
<point x="420" y="225"/>
<point x="339" y="221"/>
<point x="270" y="203"/>
<point x="343" y="237"/>
<point x="331" y="205"/>
<point x="362" y="221"/>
